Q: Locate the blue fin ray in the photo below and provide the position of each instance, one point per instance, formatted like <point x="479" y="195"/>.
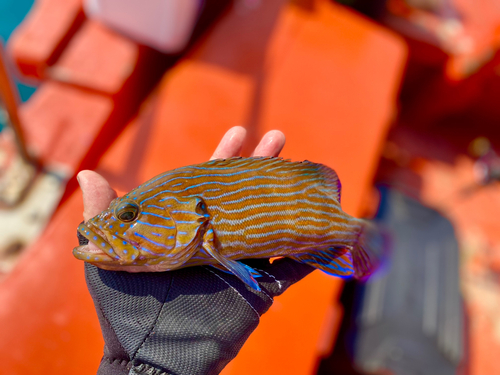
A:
<point x="332" y="260"/>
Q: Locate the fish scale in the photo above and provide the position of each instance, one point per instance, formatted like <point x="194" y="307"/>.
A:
<point x="221" y="211"/>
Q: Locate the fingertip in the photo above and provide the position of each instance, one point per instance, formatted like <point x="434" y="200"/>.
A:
<point x="96" y="191"/>
<point x="238" y="129"/>
<point x="271" y="144"/>
<point x="236" y="136"/>
<point x="87" y="177"/>
<point x="275" y="133"/>
<point x="278" y="139"/>
<point x="231" y="143"/>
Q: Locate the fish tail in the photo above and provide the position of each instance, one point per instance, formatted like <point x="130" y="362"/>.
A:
<point x="368" y="251"/>
<point x="359" y="260"/>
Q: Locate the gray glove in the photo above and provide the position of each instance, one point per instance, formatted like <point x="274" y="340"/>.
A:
<point x="190" y="321"/>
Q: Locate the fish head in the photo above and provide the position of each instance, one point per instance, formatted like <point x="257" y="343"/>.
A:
<point x="128" y="236"/>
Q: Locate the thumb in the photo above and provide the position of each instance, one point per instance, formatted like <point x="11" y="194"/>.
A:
<point x="97" y="194"/>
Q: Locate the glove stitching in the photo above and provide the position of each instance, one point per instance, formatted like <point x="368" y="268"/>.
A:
<point x="156" y="320"/>
<point x="233" y="288"/>
<point x="121" y="362"/>
<point x="149" y="370"/>
<point x="268" y="296"/>
<point x="268" y="274"/>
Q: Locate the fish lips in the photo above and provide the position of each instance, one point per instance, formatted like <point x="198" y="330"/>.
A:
<point x="98" y="249"/>
<point x="94" y="253"/>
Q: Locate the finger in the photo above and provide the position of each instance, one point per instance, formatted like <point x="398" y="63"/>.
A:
<point x="97" y="194"/>
<point x="231" y="143"/>
<point x="271" y="144"/>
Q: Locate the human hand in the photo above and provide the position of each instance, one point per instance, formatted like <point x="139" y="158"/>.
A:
<point x="190" y="321"/>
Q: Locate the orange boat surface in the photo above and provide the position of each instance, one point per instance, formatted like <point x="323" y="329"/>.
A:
<point x="324" y="76"/>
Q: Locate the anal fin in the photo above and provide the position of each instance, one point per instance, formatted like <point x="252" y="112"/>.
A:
<point x="332" y="260"/>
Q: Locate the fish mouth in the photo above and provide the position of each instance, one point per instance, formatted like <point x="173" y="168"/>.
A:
<point x="98" y="249"/>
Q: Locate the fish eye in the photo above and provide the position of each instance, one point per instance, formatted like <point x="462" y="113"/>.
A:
<point x="201" y="207"/>
<point x="127" y="211"/>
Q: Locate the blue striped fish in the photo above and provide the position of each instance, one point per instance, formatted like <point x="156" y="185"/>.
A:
<point x="219" y="212"/>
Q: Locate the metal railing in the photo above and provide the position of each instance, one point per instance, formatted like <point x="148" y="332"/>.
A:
<point x="17" y="167"/>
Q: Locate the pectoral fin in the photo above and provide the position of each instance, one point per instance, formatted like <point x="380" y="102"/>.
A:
<point x="253" y="272"/>
<point x="238" y="269"/>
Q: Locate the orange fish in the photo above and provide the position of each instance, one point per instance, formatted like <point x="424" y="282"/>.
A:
<point x="221" y="211"/>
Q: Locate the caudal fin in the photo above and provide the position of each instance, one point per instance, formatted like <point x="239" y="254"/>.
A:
<point x="369" y="250"/>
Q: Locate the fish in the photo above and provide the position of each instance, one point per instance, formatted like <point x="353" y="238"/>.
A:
<point x="223" y="211"/>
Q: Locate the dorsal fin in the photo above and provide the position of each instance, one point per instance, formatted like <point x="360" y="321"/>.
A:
<point x="279" y="166"/>
<point x="330" y="178"/>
